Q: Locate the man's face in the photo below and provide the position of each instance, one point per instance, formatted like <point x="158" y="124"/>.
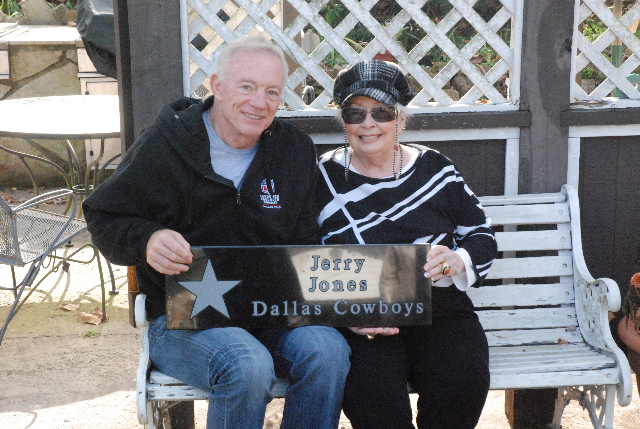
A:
<point x="247" y="100"/>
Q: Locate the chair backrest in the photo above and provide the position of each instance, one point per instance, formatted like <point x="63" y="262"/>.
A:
<point x="9" y="244"/>
<point x="41" y="231"/>
<point x="26" y="234"/>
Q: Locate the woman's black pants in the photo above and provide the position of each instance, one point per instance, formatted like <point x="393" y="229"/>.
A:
<point x="446" y="363"/>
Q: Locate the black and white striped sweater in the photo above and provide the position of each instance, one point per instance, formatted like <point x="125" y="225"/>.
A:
<point x="430" y="203"/>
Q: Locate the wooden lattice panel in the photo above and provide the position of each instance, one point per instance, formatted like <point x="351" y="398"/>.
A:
<point x="216" y="22"/>
<point x="592" y="52"/>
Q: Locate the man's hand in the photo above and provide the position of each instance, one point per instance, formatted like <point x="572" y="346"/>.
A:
<point x="168" y="252"/>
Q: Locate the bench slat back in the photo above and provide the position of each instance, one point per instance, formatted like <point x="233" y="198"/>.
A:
<point x="532" y="336"/>
<point x="501" y="200"/>
<point x="557" y="317"/>
<point x="538" y="214"/>
<point x="522" y="295"/>
<point x="534" y="240"/>
<point x="537" y="227"/>
<point x="542" y="266"/>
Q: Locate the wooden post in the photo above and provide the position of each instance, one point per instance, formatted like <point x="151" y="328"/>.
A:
<point x="123" y="66"/>
<point x="545" y="91"/>
<point x="182" y="415"/>
<point x="156" y="58"/>
<point x="530" y="408"/>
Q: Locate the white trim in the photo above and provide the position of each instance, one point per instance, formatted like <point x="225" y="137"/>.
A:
<point x="511" y="166"/>
<point x="604" y="130"/>
<point x="457" y="134"/>
<point x="432" y="108"/>
<point x="574" y="52"/>
<point x="514" y="73"/>
<point x="184" y="43"/>
<point x="573" y="162"/>
<point x="606" y="103"/>
<point x="434" y="135"/>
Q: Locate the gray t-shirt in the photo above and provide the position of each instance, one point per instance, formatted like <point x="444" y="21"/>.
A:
<point x="228" y="162"/>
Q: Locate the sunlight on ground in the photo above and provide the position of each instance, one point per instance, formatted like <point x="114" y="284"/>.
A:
<point x="80" y="283"/>
<point x="116" y="410"/>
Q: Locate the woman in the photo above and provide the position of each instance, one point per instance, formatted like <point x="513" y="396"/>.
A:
<point x="375" y="190"/>
<point x="628" y="328"/>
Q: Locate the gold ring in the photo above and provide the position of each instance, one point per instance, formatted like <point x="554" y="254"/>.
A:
<point x="446" y="269"/>
<point x="370" y="337"/>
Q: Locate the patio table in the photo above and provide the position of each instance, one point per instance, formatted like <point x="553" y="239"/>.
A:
<point x="75" y="117"/>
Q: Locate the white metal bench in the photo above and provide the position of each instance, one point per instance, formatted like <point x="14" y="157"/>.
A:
<point x="551" y="332"/>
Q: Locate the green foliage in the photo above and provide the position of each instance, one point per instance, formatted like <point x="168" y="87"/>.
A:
<point x="408" y="37"/>
<point x="11" y="8"/>
<point x="71" y="5"/>
<point x="334" y="58"/>
<point x="333" y="12"/>
<point x="591" y="73"/>
<point x="90" y="333"/>
<point x="357" y="46"/>
<point x="592" y="28"/>
<point x="411" y="34"/>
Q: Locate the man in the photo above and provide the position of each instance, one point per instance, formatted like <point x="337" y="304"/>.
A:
<point x="195" y="177"/>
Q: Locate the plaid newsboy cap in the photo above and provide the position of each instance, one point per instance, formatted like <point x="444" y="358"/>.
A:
<point x="380" y="80"/>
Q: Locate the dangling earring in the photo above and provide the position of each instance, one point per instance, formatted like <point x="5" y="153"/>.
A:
<point x="397" y="148"/>
<point x="347" y="158"/>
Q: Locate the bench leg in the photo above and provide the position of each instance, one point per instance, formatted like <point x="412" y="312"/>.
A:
<point x="609" y="407"/>
<point x="152" y="418"/>
<point x="598" y="401"/>
<point x="564" y="397"/>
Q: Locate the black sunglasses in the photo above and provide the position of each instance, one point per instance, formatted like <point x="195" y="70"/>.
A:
<point x="357" y="115"/>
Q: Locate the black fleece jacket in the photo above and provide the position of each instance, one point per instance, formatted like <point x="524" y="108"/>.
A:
<point x="166" y="181"/>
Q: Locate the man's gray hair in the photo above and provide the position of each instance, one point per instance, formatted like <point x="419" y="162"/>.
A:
<point x="250" y="43"/>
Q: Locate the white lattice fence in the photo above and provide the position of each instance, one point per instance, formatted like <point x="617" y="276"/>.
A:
<point x="586" y="52"/>
<point x="215" y="22"/>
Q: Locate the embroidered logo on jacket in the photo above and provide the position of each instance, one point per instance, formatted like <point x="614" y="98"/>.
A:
<point x="269" y="199"/>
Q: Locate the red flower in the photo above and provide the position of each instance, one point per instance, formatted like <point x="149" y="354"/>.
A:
<point x="635" y="280"/>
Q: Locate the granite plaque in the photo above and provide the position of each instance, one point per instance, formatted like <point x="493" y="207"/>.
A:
<point x="290" y="286"/>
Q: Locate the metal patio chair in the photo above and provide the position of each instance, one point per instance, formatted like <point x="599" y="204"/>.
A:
<point x="30" y="236"/>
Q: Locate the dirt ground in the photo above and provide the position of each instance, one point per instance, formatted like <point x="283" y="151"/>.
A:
<point x="59" y="373"/>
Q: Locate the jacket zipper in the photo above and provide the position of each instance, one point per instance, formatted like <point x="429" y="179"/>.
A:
<point x="238" y="198"/>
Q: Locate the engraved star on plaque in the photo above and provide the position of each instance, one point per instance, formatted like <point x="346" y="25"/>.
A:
<point x="209" y="292"/>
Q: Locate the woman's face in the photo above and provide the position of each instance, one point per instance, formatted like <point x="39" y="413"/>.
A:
<point x="371" y="138"/>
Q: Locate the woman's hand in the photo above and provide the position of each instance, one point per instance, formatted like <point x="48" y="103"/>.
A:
<point x="437" y="259"/>
<point x="629" y="334"/>
<point x="372" y="332"/>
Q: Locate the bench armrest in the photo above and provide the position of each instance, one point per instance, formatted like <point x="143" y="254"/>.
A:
<point x="145" y="363"/>
<point x="140" y="311"/>
<point x="594" y="299"/>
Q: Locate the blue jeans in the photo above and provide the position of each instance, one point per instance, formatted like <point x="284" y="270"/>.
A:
<point x="239" y="371"/>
